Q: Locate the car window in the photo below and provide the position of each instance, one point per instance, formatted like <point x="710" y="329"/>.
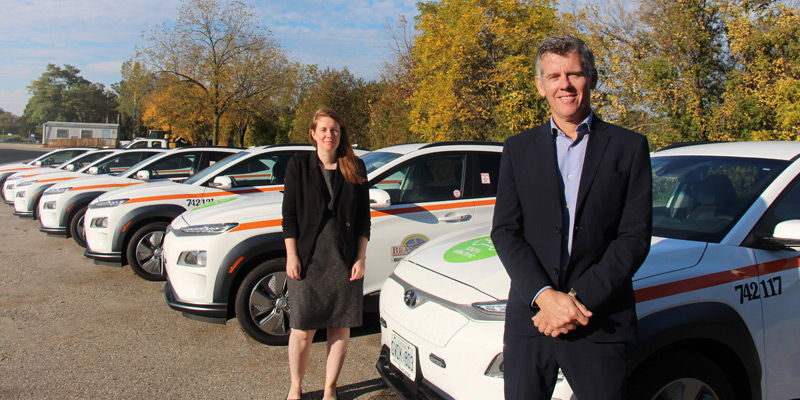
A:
<point x="216" y="166"/>
<point x="261" y="170"/>
<point x="701" y="197"/>
<point x="377" y="159"/>
<point x="121" y="162"/>
<point x="88" y="159"/>
<point x="785" y="208"/>
<point x="487" y="168"/>
<point x="431" y="178"/>
<point x="175" y="167"/>
<point x="60" y="157"/>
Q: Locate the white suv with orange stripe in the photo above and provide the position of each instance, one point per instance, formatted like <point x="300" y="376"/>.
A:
<point x="61" y="209"/>
<point x="228" y="259"/>
<point x="127" y="225"/>
<point x="717" y="296"/>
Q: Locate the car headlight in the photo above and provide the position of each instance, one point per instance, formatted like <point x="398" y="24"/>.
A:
<point x="495" y="369"/>
<point x="57" y="190"/>
<point x="492" y="307"/>
<point x="193" y="258"/>
<point x="26" y="183"/>
<point x="209" y="229"/>
<point x="107" y="203"/>
<point x="99" y="222"/>
<point x="49" y="205"/>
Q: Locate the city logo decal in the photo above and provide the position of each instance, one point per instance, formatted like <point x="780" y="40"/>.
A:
<point x="471" y="250"/>
<point x="409" y="244"/>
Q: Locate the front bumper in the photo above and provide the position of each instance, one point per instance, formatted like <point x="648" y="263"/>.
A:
<point x="113" y="258"/>
<point x="403" y="386"/>
<point x="59" y="231"/>
<point x="214" y="312"/>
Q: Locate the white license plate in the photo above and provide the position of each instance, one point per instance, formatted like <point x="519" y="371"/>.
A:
<point x="403" y="355"/>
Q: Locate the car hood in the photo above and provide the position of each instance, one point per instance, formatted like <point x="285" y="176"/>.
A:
<point x="241" y="209"/>
<point x="150" y="189"/>
<point x="29" y="174"/>
<point x="97" y="180"/>
<point x="54" y="175"/>
<point x="469" y="257"/>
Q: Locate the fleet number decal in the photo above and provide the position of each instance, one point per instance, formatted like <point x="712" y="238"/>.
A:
<point x="757" y="290"/>
<point x="197" y="202"/>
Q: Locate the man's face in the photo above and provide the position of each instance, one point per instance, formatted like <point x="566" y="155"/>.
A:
<point x="566" y="87"/>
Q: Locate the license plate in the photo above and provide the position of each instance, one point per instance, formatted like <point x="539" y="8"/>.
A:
<point x="403" y="355"/>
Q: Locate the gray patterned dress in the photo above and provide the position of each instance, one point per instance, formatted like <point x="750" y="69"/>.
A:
<point x="325" y="297"/>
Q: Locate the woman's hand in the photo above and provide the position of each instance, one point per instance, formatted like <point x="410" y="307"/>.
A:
<point x="293" y="268"/>
<point x="358" y="269"/>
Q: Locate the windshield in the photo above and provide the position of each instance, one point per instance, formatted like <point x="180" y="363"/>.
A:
<point x="216" y="167"/>
<point x="377" y="159"/>
<point x="84" y="159"/>
<point x="701" y="197"/>
<point x="132" y="170"/>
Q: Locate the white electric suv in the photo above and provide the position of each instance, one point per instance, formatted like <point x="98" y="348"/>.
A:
<point x="126" y="226"/>
<point x="228" y="260"/>
<point x="716" y="298"/>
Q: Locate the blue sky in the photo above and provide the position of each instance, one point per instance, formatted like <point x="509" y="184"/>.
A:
<point x="97" y="36"/>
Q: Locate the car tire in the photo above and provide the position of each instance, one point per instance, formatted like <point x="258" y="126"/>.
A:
<point x="76" y="229"/>
<point x="679" y="376"/>
<point x="144" y="251"/>
<point x="262" y="303"/>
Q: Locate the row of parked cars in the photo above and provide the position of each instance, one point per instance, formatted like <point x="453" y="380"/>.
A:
<point x="715" y="297"/>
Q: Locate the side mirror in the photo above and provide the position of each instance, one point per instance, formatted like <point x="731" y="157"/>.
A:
<point x="143" y="175"/>
<point x="93" y="171"/>
<point x="70" y="167"/>
<point x="379" y="198"/>
<point x="37" y="163"/>
<point x="787" y="233"/>
<point x="222" y="182"/>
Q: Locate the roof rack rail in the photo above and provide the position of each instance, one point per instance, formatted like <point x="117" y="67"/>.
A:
<point x="287" y="144"/>
<point x="455" y="142"/>
<point x="684" y="144"/>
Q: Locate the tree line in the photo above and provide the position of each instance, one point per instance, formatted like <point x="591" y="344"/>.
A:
<point x="674" y="70"/>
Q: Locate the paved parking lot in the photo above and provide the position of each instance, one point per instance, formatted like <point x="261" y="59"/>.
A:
<point x="73" y="329"/>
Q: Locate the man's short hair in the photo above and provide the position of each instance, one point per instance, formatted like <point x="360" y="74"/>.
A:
<point x="563" y="45"/>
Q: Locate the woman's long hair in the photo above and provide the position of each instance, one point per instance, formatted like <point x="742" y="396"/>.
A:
<point x="346" y="158"/>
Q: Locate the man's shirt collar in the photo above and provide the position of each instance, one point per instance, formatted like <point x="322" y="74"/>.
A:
<point x="583" y="129"/>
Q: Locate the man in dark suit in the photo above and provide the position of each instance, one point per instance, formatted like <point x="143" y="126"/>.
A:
<point x="571" y="225"/>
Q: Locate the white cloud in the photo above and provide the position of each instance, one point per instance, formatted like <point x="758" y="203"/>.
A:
<point x="94" y="35"/>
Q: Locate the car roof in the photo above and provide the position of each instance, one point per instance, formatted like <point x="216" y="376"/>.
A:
<point x="778" y="150"/>
<point x="412" y="147"/>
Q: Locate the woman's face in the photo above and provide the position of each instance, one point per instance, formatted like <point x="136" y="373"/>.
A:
<point x="327" y="134"/>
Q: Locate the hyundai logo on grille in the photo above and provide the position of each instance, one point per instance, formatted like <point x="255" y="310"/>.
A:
<point x="410" y="298"/>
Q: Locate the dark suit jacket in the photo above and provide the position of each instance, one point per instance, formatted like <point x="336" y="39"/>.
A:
<point x="612" y="229"/>
<point x="305" y="200"/>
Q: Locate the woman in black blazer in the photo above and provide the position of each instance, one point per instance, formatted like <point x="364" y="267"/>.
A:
<point x="326" y="226"/>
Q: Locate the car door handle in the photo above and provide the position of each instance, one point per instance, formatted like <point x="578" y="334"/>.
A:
<point x="454" y="217"/>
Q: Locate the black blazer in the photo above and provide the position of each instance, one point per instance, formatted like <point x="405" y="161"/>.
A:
<point x="305" y="200"/>
<point x="611" y="238"/>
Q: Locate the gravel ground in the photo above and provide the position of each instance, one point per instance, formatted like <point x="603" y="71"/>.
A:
<point x="73" y="329"/>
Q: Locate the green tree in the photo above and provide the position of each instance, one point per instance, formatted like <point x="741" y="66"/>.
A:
<point x="474" y="68"/>
<point x="61" y="94"/>
<point x="220" y="49"/>
<point x="762" y="101"/>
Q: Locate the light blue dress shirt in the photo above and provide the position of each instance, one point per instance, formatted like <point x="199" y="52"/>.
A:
<point x="570" y="155"/>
